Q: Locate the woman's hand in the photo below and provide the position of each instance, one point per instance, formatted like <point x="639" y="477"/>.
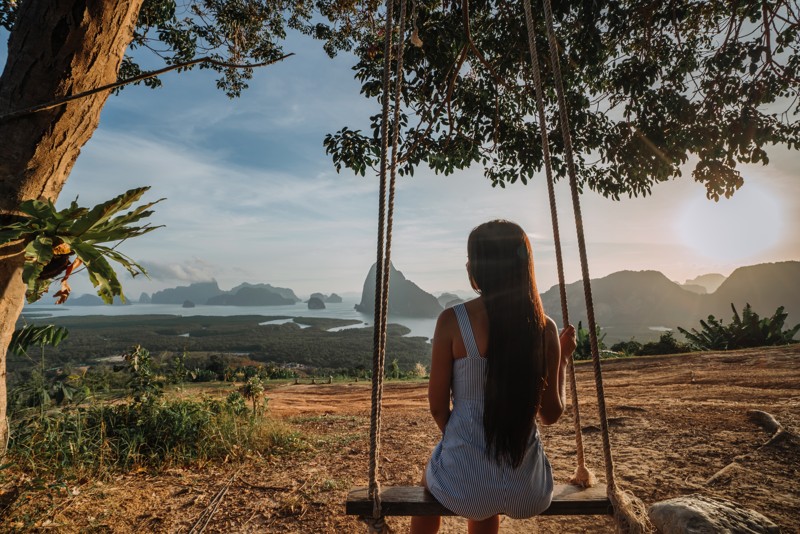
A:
<point x="568" y="342"/>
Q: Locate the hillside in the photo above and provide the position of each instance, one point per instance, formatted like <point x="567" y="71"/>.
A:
<point x="765" y="287"/>
<point x="629" y="303"/>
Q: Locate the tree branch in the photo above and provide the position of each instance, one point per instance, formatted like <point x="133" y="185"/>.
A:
<point x="60" y="102"/>
<point x="478" y="54"/>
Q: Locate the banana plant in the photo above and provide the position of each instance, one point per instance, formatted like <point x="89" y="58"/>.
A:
<point x="37" y="392"/>
<point x="36" y="336"/>
<point x="58" y="242"/>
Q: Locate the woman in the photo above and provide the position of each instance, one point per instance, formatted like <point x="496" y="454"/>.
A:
<point x="503" y="362"/>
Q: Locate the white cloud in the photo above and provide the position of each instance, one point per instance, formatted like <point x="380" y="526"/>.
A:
<point x="195" y="271"/>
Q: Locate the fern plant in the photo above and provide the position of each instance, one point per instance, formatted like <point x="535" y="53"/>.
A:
<point x="51" y="238"/>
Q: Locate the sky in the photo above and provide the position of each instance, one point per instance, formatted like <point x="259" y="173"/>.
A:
<point x="252" y="197"/>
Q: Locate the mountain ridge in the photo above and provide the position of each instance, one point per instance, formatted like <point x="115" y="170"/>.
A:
<point x="635" y="301"/>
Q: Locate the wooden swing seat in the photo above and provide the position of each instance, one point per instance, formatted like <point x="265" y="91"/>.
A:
<point x="417" y="501"/>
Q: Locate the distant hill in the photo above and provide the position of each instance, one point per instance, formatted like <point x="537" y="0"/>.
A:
<point x="709" y="282"/>
<point x="242" y="295"/>
<point x="444" y="298"/>
<point x="454" y="302"/>
<point x="87" y="299"/>
<point x="765" y="286"/>
<point x="694" y="288"/>
<point x="198" y="292"/>
<point x="332" y="299"/>
<point x="285" y="292"/>
<point x="249" y="295"/>
<point x="629" y="303"/>
<point x="316" y="303"/>
<point x="406" y="299"/>
<point x="448" y="300"/>
<point x="630" y="299"/>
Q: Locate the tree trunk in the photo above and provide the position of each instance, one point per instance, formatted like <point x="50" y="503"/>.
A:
<point x="57" y="48"/>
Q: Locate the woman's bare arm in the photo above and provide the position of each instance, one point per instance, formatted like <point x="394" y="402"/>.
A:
<point x="559" y="351"/>
<point x="442" y="368"/>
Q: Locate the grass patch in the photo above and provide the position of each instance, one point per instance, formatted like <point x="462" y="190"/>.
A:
<point x="99" y="439"/>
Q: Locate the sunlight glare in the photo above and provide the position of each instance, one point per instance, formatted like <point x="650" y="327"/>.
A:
<point x="732" y="229"/>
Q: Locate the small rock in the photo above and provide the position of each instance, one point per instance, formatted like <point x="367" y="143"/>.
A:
<point x="697" y="514"/>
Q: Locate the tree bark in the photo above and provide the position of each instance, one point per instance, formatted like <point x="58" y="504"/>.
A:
<point x="56" y="48"/>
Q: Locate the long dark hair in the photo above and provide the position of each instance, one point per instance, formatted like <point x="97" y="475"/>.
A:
<point x="501" y="266"/>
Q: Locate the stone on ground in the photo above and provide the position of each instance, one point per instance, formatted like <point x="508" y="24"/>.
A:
<point x="697" y="514"/>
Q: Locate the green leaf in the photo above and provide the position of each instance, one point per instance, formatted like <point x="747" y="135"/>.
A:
<point x="36" y="336"/>
<point x="40" y="250"/>
<point x="37" y="209"/>
<point x="101" y="274"/>
<point x="102" y="212"/>
<point x="127" y="262"/>
<point x="135" y="215"/>
<point x="12" y="232"/>
<point x="36" y="290"/>
<point x="41" y="227"/>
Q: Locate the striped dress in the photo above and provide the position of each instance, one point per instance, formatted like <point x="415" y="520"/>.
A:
<point x="459" y="473"/>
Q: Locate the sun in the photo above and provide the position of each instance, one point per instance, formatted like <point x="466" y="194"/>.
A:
<point x="733" y="229"/>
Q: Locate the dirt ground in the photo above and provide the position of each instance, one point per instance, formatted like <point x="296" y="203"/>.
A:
<point x="676" y="421"/>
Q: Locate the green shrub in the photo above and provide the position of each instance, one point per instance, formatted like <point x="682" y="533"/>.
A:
<point x="203" y="375"/>
<point x="583" y="350"/>
<point x="627" y="348"/>
<point x="178" y="374"/>
<point x="143" y="383"/>
<point x="236" y="403"/>
<point x="252" y="390"/>
<point x="666" y="344"/>
<point x="747" y="330"/>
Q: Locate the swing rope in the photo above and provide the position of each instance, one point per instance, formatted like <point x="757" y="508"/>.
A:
<point x="383" y="261"/>
<point x="583" y="477"/>
<point x="629" y="512"/>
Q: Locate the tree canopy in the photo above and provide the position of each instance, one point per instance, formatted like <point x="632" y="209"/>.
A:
<point x="650" y="86"/>
<point x="232" y="33"/>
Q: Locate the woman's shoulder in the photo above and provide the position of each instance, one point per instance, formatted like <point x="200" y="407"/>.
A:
<point x="550" y="332"/>
<point x="447" y="320"/>
<point x="550" y="326"/>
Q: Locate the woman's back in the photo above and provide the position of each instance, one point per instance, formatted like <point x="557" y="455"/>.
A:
<point x="461" y="474"/>
<point x="479" y="325"/>
<point x="498" y="359"/>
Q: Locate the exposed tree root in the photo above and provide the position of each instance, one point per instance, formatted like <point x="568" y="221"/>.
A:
<point x="766" y="421"/>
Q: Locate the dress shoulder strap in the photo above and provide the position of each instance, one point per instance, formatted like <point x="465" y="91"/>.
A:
<point x="466" y="331"/>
